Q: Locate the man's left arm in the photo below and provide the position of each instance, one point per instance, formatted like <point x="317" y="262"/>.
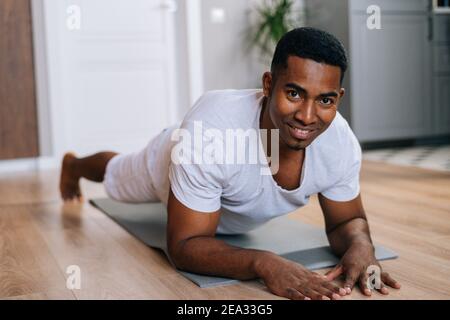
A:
<point x="349" y="236"/>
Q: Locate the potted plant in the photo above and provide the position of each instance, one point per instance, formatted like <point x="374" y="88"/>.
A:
<point x="272" y="19"/>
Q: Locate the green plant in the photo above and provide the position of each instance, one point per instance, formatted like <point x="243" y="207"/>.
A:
<point x="274" y="19"/>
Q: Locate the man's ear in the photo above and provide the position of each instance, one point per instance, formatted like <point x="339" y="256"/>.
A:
<point x="341" y="93"/>
<point x="267" y="83"/>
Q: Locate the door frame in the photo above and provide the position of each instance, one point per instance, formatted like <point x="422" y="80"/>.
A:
<point x="50" y="117"/>
<point x="48" y="97"/>
<point x="42" y="73"/>
<point x="45" y="159"/>
<point x="46" y="41"/>
<point x="194" y="50"/>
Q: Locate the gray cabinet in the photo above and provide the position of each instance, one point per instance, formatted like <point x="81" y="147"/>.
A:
<point x="390" y="75"/>
<point x="442" y="102"/>
<point x="392" y="85"/>
<point x="441" y="73"/>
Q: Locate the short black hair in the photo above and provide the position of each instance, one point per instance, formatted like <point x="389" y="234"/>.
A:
<point x="310" y="43"/>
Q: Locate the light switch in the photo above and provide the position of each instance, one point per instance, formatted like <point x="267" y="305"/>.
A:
<point x="218" y="15"/>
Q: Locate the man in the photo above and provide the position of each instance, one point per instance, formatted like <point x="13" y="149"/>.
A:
<point x="317" y="153"/>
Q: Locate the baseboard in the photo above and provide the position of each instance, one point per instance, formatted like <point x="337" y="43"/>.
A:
<point x="403" y="143"/>
<point x="29" y="164"/>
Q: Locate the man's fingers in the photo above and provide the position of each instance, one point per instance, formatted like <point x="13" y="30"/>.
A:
<point x="350" y="279"/>
<point x="363" y="284"/>
<point x="320" y="276"/>
<point x="331" y="286"/>
<point x="383" y="289"/>
<point x="294" y="294"/>
<point x="367" y="290"/>
<point x="322" y="289"/>
<point x="334" y="273"/>
<point x="387" y="279"/>
<point x="313" y="294"/>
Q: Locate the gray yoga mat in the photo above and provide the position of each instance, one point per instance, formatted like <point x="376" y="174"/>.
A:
<point x="296" y="241"/>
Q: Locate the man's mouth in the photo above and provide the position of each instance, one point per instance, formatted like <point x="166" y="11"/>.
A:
<point x="300" y="133"/>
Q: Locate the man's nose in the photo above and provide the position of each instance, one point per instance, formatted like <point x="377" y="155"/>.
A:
<point x="306" y="113"/>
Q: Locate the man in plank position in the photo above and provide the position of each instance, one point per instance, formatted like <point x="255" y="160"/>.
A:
<point x="316" y="152"/>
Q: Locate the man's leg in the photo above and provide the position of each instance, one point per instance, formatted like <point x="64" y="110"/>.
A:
<point x="92" y="168"/>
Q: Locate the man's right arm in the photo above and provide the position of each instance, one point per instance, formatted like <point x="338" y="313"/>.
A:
<point x="193" y="247"/>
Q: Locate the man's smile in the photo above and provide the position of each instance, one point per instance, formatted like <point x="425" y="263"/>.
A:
<point x="300" y="133"/>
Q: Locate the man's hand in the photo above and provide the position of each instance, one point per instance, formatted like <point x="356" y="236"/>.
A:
<point x="293" y="281"/>
<point x="354" y="265"/>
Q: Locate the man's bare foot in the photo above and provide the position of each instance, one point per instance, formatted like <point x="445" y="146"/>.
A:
<point x="69" y="182"/>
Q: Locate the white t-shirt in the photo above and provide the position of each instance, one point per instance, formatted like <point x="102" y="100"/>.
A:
<point x="246" y="197"/>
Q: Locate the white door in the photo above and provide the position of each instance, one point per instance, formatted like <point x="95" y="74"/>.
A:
<point x="112" y="68"/>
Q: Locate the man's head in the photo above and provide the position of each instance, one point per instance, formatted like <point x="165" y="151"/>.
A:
<point x="304" y="85"/>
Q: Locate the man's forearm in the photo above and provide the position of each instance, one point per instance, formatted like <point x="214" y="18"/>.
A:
<point x="207" y="255"/>
<point x="350" y="233"/>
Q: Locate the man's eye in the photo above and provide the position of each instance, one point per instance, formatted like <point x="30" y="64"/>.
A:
<point x="326" y="101"/>
<point x="293" y="94"/>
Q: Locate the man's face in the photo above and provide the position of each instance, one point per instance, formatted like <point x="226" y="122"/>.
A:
<point x="303" y="100"/>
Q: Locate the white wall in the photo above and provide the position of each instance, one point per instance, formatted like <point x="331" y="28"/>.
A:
<point x="226" y="64"/>
<point x="182" y="57"/>
<point x="331" y="16"/>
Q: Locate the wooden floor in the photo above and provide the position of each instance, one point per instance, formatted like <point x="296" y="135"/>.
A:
<point x="408" y="208"/>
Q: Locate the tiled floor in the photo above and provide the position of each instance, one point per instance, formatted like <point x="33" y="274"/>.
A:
<point x="429" y="157"/>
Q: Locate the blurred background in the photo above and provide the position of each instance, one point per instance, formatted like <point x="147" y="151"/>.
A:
<point x="91" y="75"/>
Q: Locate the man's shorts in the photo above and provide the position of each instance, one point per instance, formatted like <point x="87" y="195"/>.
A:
<point x="127" y="178"/>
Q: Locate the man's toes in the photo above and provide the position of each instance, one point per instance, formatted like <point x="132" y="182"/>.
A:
<point x="72" y="200"/>
<point x="69" y="194"/>
<point x="67" y="197"/>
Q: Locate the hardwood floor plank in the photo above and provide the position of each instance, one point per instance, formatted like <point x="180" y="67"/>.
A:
<point x="107" y="270"/>
<point x="49" y="295"/>
<point x="38" y="187"/>
<point x="114" y="264"/>
<point x="27" y="266"/>
<point x="408" y="209"/>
